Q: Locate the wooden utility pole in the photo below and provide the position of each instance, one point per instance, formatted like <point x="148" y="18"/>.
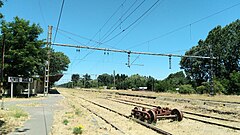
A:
<point x="46" y="74"/>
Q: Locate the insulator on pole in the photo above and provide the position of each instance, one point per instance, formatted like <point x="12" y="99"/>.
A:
<point x="170" y="62"/>
<point x="128" y="59"/>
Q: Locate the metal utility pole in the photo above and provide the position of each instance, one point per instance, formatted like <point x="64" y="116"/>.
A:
<point x="46" y="74"/>
<point x="114" y="79"/>
<point x="2" y="69"/>
<point x="211" y="72"/>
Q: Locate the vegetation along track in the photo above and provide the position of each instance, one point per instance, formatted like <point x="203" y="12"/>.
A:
<point x="158" y="130"/>
<point x="134" y="103"/>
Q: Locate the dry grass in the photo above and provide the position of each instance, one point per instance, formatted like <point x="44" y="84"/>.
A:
<point x="12" y="118"/>
<point x="73" y="114"/>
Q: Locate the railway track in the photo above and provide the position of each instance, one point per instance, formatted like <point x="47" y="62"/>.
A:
<point x="166" y="98"/>
<point x="112" y="125"/>
<point x="158" y="130"/>
<point x="134" y="103"/>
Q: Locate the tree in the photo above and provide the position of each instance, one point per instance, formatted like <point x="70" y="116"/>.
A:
<point x="75" y="78"/>
<point x="225" y="45"/>
<point x="172" y="82"/>
<point x="235" y="82"/>
<point x="58" y="63"/>
<point x="86" y="79"/>
<point x="150" y="83"/>
<point x="105" y="79"/>
<point x="24" y="54"/>
<point x="136" y="81"/>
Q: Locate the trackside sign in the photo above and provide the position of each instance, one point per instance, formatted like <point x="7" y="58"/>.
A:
<point x="20" y="79"/>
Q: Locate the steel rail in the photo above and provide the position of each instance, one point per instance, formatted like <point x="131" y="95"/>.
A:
<point x="208" y="122"/>
<point x="158" y="130"/>
<point x="187" y="112"/>
<point x="103" y="119"/>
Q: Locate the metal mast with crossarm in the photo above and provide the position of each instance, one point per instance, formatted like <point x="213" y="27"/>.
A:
<point x="47" y="65"/>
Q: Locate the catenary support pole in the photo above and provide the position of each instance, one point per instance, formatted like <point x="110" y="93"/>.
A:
<point x="46" y="75"/>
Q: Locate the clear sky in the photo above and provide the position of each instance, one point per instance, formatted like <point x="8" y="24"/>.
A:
<point x="86" y="18"/>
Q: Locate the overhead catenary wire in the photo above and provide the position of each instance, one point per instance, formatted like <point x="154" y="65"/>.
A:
<point x="59" y="19"/>
<point x="137" y="24"/>
<point x="131" y="52"/>
<point x="184" y="26"/>
<point x="107" y="34"/>
<point x="107" y="21"/>
<point x="41" y="11"/>
<point x="132" y="22"/>
<point x="60" y="31"/>
<point x="99" y="43"/>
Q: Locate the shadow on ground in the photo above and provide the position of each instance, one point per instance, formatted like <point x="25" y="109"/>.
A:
<point x="21" y="130"/>
<point x="54" y="91"/>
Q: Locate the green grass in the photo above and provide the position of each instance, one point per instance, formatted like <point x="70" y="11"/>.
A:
<point x="18" y="112"/>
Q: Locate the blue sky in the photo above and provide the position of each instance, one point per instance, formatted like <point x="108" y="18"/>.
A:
<point x="86" y="17"/>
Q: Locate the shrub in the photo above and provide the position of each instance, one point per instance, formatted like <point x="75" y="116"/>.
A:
<point x="201" y="89"/>
<point x="78" y="130"/>
<point x="205" y="88"/>
<point x="186" y="89"/>
<point x="65" y="121"/>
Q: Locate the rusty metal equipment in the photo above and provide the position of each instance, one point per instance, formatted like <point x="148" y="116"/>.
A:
<point x="157" y="113"/>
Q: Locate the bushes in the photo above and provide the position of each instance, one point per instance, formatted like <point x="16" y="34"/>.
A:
<point x="205" y="88"/>
<point x="186" y="89"/>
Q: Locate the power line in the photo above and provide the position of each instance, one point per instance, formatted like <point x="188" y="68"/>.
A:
<point x="108" y="20"/>
<point x="132" y="22"/>
<point x="91" y="40"/>
<point x="77" y="35"/>
<point x="136" y="25"/>
<point x="72" y="63"/>
<point x="107" y="34"/>
<point x="184" y="26"/>
<point x="40" y="7"/>
<point x="59" y="19"/>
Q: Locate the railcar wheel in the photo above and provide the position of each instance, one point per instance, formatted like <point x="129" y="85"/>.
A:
<point x="179" y="115"/>
<point x="152" y="117"/>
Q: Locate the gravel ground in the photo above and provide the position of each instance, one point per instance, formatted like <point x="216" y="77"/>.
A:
<point x="93" y="125"/>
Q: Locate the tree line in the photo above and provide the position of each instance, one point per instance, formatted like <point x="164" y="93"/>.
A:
<point x="134" y="82"/>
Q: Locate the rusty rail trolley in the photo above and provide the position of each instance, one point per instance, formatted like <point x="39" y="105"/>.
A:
<point x="157" y="113"/>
